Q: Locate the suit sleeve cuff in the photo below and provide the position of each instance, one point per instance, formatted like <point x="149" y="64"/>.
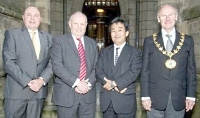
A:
<point x="43" y="80"/>
<point x="145" y="98"/>
<point x="190" y="98"/>
<point x="76" y="83"/>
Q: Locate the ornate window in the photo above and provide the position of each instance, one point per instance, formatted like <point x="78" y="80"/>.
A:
<point x="103" y="3"/>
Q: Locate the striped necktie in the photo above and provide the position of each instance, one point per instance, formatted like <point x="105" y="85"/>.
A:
<point x="81" y="52"/>
<point x="116" y="56"/>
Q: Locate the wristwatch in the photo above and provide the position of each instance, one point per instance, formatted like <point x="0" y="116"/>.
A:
<point x="43" y="80"/>
<point x="112" y="85"/>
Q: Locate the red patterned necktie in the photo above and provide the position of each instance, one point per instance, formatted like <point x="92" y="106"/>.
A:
<point x="81" y="52"/>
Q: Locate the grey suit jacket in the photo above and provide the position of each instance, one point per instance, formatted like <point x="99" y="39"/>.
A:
<point x="66" y="65"/>
<point x="124" y="74"/>
<point x="157" y="81"/>
<point x="21" y="64"/>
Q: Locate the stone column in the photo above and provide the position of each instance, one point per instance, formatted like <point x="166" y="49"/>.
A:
<point x="44" y="7"/>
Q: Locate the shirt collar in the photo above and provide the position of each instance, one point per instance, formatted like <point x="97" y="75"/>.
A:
<point x="121" y="46"/>
<point x="75" y="39"/>
<point x="36" y="31"/>
<point x="172" y="32"/>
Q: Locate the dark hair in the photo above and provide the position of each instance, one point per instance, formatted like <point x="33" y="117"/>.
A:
<point x="119" y="20"/>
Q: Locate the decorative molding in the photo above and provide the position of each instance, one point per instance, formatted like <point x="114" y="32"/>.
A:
<point x="10" y="13"/>
<point x="191" y="13"/>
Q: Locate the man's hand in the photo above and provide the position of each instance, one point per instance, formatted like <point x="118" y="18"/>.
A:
<point x="146" y="104"/>
<point x="189" y="104"/>
<point x="36" y="84"/>
<point x="77" y="90"/>
<point x="82" y="87"/>
<point x="122" y="91"/>
<point x="107" y="86"/>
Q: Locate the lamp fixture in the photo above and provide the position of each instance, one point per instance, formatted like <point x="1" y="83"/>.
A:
<point x="100" y="10"/>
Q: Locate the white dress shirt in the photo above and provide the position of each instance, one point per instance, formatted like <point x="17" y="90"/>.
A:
<point x="165" y="38"/>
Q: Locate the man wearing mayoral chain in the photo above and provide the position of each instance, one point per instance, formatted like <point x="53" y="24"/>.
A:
<point x="168" y="76"/>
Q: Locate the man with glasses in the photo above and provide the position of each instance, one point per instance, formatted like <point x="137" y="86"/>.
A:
<point x="168" y="76"/>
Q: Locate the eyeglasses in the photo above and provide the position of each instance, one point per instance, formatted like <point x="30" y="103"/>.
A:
<point x="169" y="16"/>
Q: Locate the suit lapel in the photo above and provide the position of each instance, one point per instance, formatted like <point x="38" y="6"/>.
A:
<point x="125" y="51"/>
<point x="111" y="57"/>
<point x="71" y="42"/>
<point x="176" y="43"/>
<point x="176" y="40"/>
<point x="87" y="53"/>
<point x="43" y="43"/>
<point x="162" y="57"/>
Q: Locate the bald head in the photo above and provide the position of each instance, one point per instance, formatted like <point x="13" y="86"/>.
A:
<point x="78" y="14"/>
<point x="165" y="7"/>
<point x="78" y="24"/>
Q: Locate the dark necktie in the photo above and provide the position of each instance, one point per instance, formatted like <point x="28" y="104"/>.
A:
<point x="169" y="44"/>
<point x="81" y="52"/>
<point x="116" y="56"/>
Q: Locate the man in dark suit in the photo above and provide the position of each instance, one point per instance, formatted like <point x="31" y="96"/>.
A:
<point x="168" y="76"/>
<point x="73" y="59"/>
<point x="117" y="68"/>
<point x="27" y="66"/>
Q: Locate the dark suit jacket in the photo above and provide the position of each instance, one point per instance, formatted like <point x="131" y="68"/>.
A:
<point x="124" y="74"/>
<point x="21" y="64"/>
<point x="66" y="65"/>
<point x="157" y="81"/>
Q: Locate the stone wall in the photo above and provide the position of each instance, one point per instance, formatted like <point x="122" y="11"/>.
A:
<point x="9" y="19"/>
<point x="52" y="13"/>
<point x="56" y="17"/>
<point x="13" y="5"/>
<point x="192" y="17"/>
<point x="7" y="22"/>
<point x="148" y="19"/>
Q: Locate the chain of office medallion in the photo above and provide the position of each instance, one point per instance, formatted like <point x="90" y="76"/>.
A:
<point x="170" y="54"/>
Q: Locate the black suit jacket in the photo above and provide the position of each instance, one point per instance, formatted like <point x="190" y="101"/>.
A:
<point x="157" y="81"/>
<point x="124" y="74"/>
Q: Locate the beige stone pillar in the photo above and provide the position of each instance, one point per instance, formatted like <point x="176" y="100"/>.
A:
<point x="44" y="7"/>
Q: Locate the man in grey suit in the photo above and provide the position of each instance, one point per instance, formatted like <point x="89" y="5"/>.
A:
<point x="28" y="70"/>
<point x="168" y="77"/>
<point x="73" y="59"/>
<point x="117" y="69"/>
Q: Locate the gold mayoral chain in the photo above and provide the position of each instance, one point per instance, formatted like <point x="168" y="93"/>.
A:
<point x="170" y="63"/>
